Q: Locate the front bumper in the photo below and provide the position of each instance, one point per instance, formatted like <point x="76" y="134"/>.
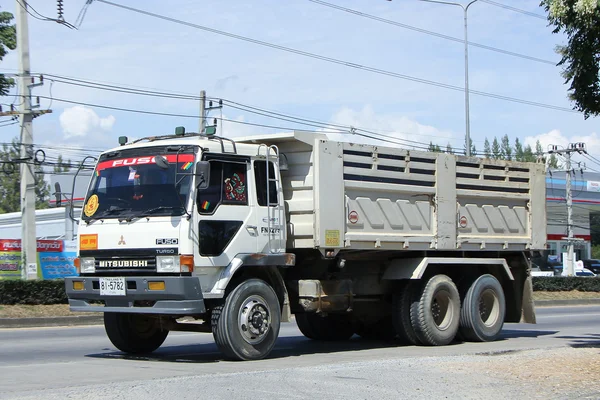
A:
<point x="182" y="296"/>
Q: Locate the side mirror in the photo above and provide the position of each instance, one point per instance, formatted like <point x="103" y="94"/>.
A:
<point x="202" y="175"/>
<point x="162" y="162"/>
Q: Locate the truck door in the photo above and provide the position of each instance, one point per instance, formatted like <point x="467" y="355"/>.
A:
<point x="224" y="217"/>
<point x="269" y="205"/>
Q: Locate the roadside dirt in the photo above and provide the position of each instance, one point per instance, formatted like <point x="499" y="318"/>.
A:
<point x="25" y="311"/>
<point x="60" y="310"/>
<point x="563" y="373"/>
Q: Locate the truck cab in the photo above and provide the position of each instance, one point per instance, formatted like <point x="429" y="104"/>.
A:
<point x="166" y="223"/>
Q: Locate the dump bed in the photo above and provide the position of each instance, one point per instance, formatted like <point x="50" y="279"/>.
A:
<point x="353" y="196"/>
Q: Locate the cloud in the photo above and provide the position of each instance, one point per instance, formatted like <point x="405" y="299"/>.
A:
<point x="402" y="130"/>
<point x="556" y="137"/>
<point x="81" y="120"/>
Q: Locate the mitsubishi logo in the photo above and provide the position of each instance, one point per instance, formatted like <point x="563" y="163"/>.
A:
<point x="122" y="241"/>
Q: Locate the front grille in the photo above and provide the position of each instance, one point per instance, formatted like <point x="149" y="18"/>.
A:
<point x="126" y="261"/>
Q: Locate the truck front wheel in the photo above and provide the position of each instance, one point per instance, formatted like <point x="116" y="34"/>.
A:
<point x="247" y="325"/>
<point x="134" y="333"/>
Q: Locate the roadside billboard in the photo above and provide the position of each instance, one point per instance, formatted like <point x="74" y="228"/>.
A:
<point x="54" y="259"/>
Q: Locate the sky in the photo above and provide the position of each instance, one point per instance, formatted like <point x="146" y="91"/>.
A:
<point x="128" y="49"/>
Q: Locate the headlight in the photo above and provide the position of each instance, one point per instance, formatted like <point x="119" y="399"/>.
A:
<point x="88" y="265"/>
<point x="167" y="264"/>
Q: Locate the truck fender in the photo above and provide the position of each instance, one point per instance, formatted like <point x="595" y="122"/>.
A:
<point x="414" y="268"/>
<point x="266" y="264"/>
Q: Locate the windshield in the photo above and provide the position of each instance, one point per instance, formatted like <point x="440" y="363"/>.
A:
<point x="129" y="184"/>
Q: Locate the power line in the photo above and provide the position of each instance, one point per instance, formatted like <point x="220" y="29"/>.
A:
<point x="518" y="10"/>
<point x="432" y="33"/>
<point x="342" y="62"/>
<point x="42" y="17"/>
<point x="246" y="108"/>
<point x="362" y="133"/>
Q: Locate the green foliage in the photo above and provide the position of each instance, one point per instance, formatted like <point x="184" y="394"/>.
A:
<point x="519" y="152"/>
<point x="565" y="284"/>
<point x="506" y="150"/>
<point x="595" y="247"/>
<point x="487" y="151"/>
<point x="496" y="151"/>
<point x="449" y="149"/>
<point x="434" y="148"/>
<point x="33" y="292"/>
<point x="62" y="166"/>
<point x="8" y="41"/>
<point x="579" y="20"/>
<point x="10" y="185"/>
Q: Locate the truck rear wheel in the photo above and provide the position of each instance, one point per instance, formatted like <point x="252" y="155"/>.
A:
<point x="331" y="327"/>
<point x="247" y="325"/>
<point x="483" y="310"/>
<point x="401" y="313"/>
<point x="134" y="333"/>
<point x="435" y="311"/>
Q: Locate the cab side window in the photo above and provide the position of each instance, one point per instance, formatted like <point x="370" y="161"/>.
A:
<point x="228" y="186"/>
<point x="260" y="176"/>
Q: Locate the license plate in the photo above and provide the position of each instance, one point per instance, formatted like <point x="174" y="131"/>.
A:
<point x="112" y="286"/>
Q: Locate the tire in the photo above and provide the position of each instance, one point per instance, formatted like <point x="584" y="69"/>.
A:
<point x="382" y="329"/>
<point x="134" y="333"/>
<point x="401" y="313"/>
<point x="247" y="325"/>
<point x="435" y="311"/>
<point x="332" y="327"/>
<point x="483" y="310"/>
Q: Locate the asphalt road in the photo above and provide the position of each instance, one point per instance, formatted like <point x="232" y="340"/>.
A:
<point x="81" y="363"/>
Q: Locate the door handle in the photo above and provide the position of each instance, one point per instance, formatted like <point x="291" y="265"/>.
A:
<point x="252" y="227"/>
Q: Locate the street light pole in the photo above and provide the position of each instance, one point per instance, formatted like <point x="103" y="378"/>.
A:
<point x="467" y="117"/>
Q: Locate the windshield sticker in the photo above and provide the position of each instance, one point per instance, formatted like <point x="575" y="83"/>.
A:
<point x="205" y="205"/>
<point x="235" y="188"/>
<point x="132" y="174"/>
<point x="186" y="166"/>
<point x="91" y="206"/>
<point x="129" y="162"/>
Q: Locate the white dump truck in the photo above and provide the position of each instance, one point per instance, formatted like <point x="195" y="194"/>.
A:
<point x="202" y="233"/>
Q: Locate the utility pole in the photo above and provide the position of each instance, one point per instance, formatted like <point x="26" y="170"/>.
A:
<point x="572" y="148"/>
<point x="467" y="116"/>
<point x="28" y="236"/>
<point x="26" y="114"/>
<point x="202" y="111"/>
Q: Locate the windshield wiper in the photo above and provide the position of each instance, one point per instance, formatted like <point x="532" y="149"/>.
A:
<point x="109" y="211"/>
<point x="150" y="211"/>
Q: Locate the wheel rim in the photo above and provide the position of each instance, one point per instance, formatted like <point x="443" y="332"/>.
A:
<point x="441" y="310"/>
<point x="142" y="325"/>
<point x="489" y="307"/>
<point x="254" y="319"/>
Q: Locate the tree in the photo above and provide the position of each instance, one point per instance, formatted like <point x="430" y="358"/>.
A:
<point x="449" y="149"/>
<point x="528" y="155"/>
<point x="10" y="199"/>
<point x="473" y="149"/>
<point x="496" y="152"/>
<point x="519" y="152"/>
<point x="539" y="150"/>
<point x="579" y="20"/>
<point x="505" y="149"/>
<point x="487" y="151"/>
<point x="61" y="166"/>
<point x="8" y="41"/>
<point x="434" y="148"/>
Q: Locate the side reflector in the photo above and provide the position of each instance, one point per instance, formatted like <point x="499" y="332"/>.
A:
<point x="186" y="263"/>
<point x="156" y="285"/>
<point x="77" y="263"/>
<point x="78" y="285"/>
